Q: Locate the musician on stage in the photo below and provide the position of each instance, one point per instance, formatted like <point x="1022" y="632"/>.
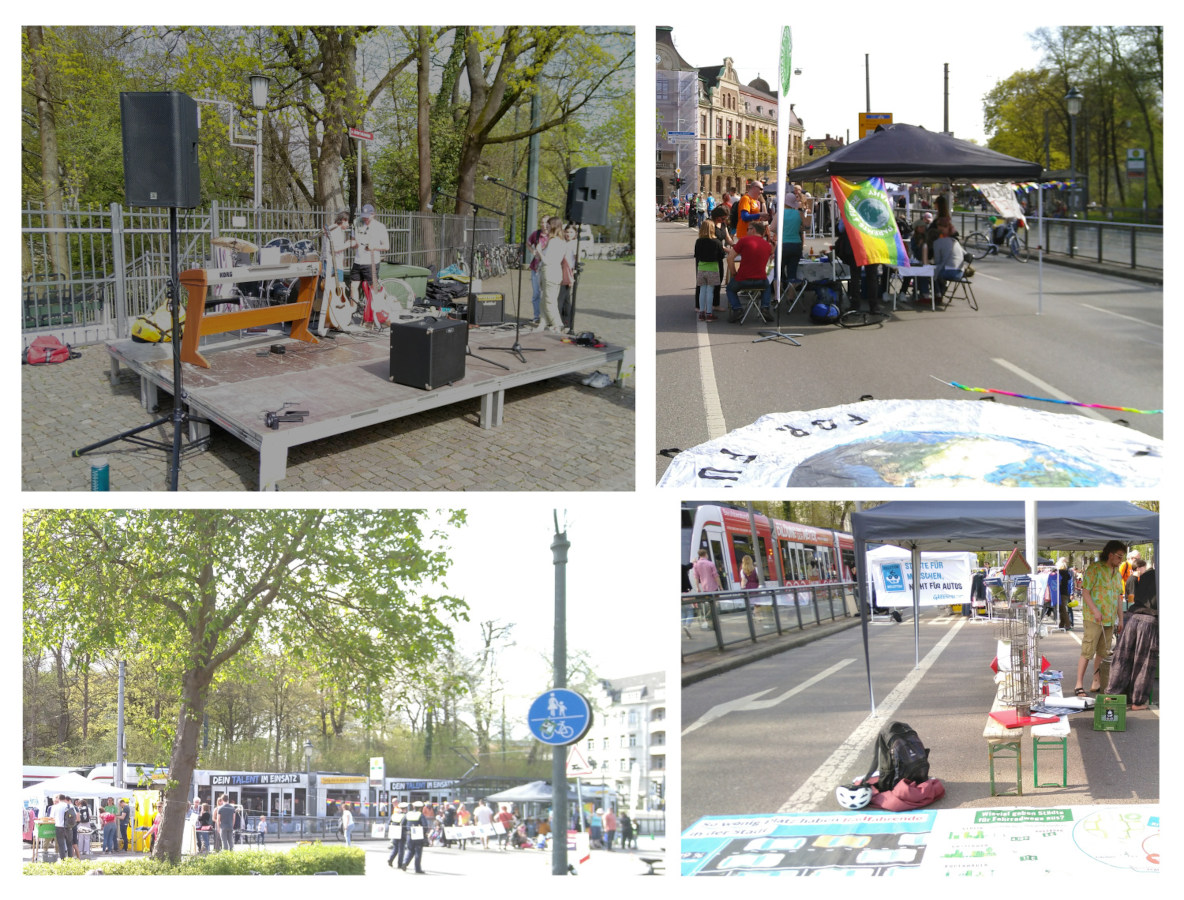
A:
<point x="339" y="242"/>
<point x="372" y="241"/>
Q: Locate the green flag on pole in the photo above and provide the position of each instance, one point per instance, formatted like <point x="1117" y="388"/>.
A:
<point x="786" y="53"/>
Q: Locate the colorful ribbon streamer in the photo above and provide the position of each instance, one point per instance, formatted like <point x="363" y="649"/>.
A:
<point x="962" y="387"/>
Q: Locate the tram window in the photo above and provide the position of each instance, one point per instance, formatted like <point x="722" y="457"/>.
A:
<point x="764" y="557"/>
<point x="741" y="547"/>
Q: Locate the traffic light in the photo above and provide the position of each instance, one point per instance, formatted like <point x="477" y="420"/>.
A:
<point x="729" y="139"/>
<point x="810" y="147"/>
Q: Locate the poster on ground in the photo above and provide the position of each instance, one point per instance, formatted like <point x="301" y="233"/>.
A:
<point x="974" y="843"/>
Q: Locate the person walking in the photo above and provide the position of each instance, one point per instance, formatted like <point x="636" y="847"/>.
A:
<point x="484" y="816"/>
<point x="398" y="815"/>
<point x="347" y="824"/>
<point x="610" y="828"/>
<point x="628" y="835"/>
<point x="413" y="850"/>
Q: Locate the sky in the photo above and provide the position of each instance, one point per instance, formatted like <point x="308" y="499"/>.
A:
<point x="503" y="568"/>
<point x="905" y="63"/>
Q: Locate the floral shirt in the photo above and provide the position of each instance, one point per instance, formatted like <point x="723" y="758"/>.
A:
<point x="1105" y="588"/>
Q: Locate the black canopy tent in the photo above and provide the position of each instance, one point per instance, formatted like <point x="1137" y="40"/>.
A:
<point x="903" y="152"/>
<point x="910" y="153"/>
<point x="993" y="525"/>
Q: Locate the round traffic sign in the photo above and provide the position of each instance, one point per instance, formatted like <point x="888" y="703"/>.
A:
<point x="559" y="717"/>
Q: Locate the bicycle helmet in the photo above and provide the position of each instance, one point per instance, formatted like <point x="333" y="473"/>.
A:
<point x="853" y="796"/>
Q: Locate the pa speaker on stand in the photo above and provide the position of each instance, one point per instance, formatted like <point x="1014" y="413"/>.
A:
<point x="587" y="204"/>
<point x="160" y="169"/>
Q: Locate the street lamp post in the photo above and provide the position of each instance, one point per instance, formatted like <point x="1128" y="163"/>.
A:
<point x="309" y="800"/>
<point x="1073" y="101"/>
<point x="259" y="86"/>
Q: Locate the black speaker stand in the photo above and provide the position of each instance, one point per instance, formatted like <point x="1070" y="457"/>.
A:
<point x="180" y="417"/>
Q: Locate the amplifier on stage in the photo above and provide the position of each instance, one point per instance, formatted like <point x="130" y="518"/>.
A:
<point x="490" y="308"/>
<point x="428" y="352"/>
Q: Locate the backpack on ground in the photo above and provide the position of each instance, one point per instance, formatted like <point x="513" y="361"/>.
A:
<point x="48" y="349"/>
<point x="900" y="755"/>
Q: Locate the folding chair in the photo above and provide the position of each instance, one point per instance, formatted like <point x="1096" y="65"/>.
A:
<point x="964" y="283"/>
<point x="751" y="298"/>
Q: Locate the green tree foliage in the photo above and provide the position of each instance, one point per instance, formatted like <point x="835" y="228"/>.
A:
<point x="190" y="593"/>
<point x="437" y="99"/>
<point x="1119" y="70"/>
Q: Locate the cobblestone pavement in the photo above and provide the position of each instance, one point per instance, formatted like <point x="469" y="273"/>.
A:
<point x="556" y="435"/>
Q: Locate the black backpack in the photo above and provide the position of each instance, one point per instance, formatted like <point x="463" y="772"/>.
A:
<point x="900" y="756"/>
<point x="734" y="217"/>
<point x="70" y="819"/>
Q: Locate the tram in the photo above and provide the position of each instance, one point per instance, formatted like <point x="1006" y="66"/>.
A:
<point x="805" y="554"/>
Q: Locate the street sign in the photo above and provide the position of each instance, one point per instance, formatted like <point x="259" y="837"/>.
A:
<point x="577" y="766"/>
<point x="1136" y="163"/>
<point x="680" y="134"/>
<point x="868" y="122"/>
<point x="559" y="717"/>
<point x="677" y="170"/>
<point x="361" y="135"/>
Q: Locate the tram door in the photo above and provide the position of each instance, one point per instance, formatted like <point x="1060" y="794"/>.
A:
<point x="279" y="801"/>
<point x="712" y="537"/>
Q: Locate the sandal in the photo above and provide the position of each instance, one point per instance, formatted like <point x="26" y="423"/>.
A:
<point x="1080" y="692"/>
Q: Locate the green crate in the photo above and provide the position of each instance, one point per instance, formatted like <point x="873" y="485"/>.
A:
<point x="1110" y="712"/>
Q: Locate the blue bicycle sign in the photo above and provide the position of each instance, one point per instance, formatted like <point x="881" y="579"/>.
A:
<point x="559" y="717"/>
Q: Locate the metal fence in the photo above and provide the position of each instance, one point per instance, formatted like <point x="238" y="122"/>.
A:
<point x="1138" y="247"/>
<point x="112" y="264"/>
<point x="716" y="620"/>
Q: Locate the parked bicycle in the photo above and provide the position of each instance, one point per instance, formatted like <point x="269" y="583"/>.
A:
<point x="978" y="245"/>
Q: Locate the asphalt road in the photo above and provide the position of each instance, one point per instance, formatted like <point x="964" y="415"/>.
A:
<point x="1098" y="340"/>
<point x="781" y="733"/>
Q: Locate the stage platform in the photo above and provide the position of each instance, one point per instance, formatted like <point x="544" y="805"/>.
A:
<point x="342" y="381"/>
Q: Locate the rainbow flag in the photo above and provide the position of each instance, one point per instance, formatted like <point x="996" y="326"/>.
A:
<point x="867" y="215"/>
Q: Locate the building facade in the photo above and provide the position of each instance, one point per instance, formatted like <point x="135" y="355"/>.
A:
<point x="733" y="126"/>
<point x="626" y="745"/>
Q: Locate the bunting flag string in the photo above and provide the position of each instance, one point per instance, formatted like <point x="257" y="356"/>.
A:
<point x="978" y="390"/>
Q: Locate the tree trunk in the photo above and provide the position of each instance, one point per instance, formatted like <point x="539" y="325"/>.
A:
<point x="423" y="70"/>
<point x="47" y="131"/>
<point x="194" y="690"/>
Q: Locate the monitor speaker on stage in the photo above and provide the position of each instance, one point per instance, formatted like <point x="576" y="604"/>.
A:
<point x="160" y="149"/>
<point x="428" y="353"/>
<point x="587" y="195"/>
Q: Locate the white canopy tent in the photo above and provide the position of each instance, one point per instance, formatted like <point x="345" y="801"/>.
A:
<point x="76" y="786"/>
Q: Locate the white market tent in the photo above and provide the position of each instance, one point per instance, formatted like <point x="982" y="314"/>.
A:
<point x="75" y="786"/>
<point x="978" y="526"/>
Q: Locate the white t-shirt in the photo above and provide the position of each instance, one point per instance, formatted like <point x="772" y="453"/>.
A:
<point x="372" y="240"/>
<point x="553" y="256"/>
<point x="484" y="815"/>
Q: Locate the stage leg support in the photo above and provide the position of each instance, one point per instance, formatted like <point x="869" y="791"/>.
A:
<point x="492" y="406"/>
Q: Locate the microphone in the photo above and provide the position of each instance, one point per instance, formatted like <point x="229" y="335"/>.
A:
<point x="493" y="178"/>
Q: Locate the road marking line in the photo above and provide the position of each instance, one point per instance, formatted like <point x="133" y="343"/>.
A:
<point x="713" y="409"/>
<point x="1111" y="312"/>
<point x="751" y="703"/>
<point x="1049" y="389"/>
<point x="821" y="785"/>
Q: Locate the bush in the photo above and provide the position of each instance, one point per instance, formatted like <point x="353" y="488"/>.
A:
<point x="300" y="860"/>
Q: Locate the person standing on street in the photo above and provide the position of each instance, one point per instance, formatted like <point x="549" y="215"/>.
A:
<point x="610" y="828"/>
<point x="397" y="833"/>
<point x="347" y="824"/>
<point x="1100" y="612"/>
<point x="225" y="817"/>
<point x="484" y="816"/>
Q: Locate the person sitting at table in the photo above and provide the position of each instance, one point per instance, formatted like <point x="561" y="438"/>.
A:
<point x="947" y="259"/>
<point x="753" y="252"/>
<point x="794" y="217"/>
<point x="919" y="251"/>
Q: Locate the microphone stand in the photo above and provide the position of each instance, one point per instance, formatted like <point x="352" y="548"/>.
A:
<point x="471" y="314"/>
<point x="517" y="349"/>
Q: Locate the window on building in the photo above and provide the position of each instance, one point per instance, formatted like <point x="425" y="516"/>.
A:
<point x="658" y="714"/>
<point x="633" y="717"/>
<point x="632" y="740"/>
<point x="623" y="766"/>
<point x="591" y="743"/>
<point x="663" y="87"/>
<point x="605" y="746"/>
<point x="657" y="762"/>
<point x="703" y="123"/>
<point x="658" y="739"/>
<point x="624" y="741"/>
